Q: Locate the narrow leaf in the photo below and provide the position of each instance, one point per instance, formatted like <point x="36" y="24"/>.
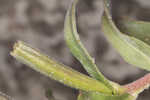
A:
<point x="133" y="50"/>
<point x="137" y="29"/>
<point x="56" y="71"/>
<point x="77" y="48"/>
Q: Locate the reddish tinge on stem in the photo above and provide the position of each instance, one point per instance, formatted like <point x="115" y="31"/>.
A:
<point x="138" y="85"/>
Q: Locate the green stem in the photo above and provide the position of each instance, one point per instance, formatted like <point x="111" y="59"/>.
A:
<point x="56" y="71"/>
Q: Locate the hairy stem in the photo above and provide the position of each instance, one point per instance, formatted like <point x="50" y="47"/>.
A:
<point x="55" y="70"/>
<point x="139" y="85"/>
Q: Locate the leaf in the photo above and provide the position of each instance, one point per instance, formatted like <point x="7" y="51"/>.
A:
<point x="137" y="29"/>
<point x="77" y="48"/>
<point x="55" y="70"/>
<point x="133" y="50"/>
<point x="98" y="96"/>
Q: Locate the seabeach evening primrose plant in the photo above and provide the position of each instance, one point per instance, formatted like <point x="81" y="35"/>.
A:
<point x="134" y="48"/>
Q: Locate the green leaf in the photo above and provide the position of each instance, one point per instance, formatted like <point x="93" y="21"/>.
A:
<point x="98" y="96"/>
<point x="133" y="50"/>
<point x="77" y="48"/>
<point x="55" y="70"/>
<point x="137" y="29"/>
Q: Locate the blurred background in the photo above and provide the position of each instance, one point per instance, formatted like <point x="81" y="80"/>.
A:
<point x="40" y="24"/>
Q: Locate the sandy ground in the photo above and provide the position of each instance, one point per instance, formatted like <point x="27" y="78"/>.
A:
<point x="40" y="23"/>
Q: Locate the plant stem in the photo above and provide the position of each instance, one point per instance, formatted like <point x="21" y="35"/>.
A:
<point x="139" y="85"/>
<point x="55" y="70"/>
